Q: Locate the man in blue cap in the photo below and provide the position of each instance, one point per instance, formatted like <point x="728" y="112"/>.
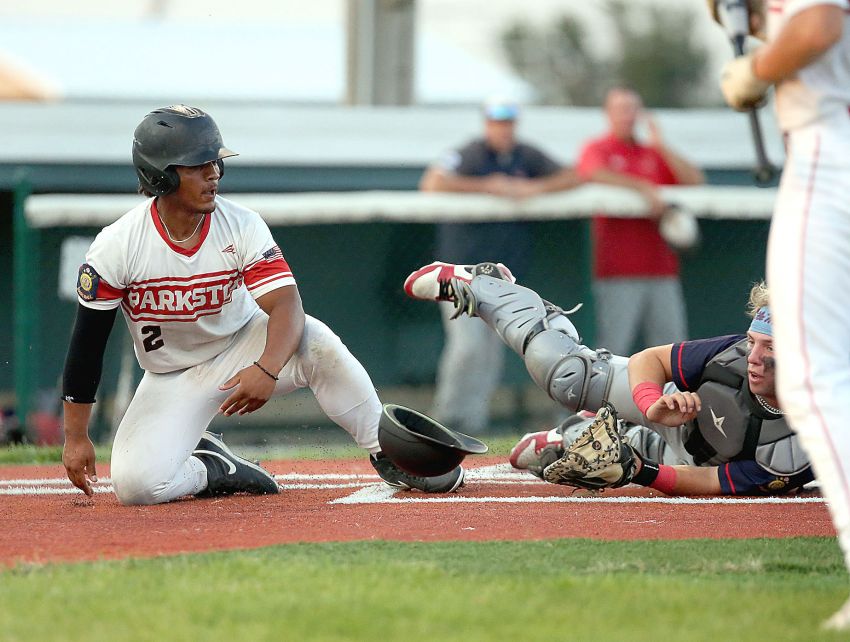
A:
<point x="496" y="163"/>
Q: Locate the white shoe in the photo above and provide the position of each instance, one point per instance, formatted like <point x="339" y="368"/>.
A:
<point x="840" y="620"/>
<point x="535" y="447"/>
<point x="434" y="282"/>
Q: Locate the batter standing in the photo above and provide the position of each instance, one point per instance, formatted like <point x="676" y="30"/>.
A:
<point x="808" y="263"/>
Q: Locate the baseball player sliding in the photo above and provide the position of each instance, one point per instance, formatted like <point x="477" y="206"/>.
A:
<point x="218" y="327"/>
<point x="703" y="414"/>
<point x="807" y="56"/>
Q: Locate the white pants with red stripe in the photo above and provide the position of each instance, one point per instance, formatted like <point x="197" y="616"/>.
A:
<point x="151" y="454"/>
<point x="808" y="271"/>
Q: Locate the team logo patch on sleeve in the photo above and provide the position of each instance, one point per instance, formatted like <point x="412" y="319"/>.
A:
<point x="273" y="253"/>
<point x="778" y="484"/>
<point x="87" y="282"/>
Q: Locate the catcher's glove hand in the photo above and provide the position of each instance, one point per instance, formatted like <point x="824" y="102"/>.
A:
<point x="597" y="459"/>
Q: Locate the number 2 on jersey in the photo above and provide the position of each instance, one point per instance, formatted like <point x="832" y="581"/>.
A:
<point x="153" y="340"/>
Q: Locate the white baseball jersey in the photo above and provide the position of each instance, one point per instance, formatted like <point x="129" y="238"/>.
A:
<point x="822" y="88"/>
<point x="182" y="306"/>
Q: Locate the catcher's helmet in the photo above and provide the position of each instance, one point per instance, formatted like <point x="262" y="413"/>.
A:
<point x="419" y="445"/>
<point x="175" y="135"/>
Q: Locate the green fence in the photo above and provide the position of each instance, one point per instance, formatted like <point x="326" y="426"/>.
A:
<point x="350" y="276"/>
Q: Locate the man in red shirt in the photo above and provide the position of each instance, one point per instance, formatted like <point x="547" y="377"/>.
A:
<point x="635" y="273"/>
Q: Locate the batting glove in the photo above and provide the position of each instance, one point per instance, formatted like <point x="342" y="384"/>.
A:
<point x="741" y="88"/>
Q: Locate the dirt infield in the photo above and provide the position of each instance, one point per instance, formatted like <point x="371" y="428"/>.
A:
<point x="44" y="519"/>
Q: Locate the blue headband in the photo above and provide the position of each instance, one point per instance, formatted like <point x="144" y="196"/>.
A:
<point x="761" y="322"/>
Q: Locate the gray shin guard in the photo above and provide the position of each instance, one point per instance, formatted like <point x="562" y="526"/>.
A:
<point x="570" y="373"/>
<point x="575" y="376"/>
<point x="516" y="313"/>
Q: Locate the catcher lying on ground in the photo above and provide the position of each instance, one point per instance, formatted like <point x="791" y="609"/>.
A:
<point x="699" y="417"/>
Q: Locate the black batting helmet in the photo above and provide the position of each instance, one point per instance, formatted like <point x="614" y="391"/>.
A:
<point x="419" y="445"/>
<point x="175" y="135"/>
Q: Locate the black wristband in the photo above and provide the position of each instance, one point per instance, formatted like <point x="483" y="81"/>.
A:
<point x="648" y="473"/>
<point x="266" y="371"/>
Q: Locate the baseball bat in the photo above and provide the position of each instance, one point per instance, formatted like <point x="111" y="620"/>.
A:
<point x="764" y="172"/>
<point x="735" y="18"/>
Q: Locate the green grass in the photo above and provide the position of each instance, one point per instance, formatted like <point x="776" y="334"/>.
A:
<point x="574" y="590"/>
<point x="30" y="454"/>
<point x="499" y="445"/>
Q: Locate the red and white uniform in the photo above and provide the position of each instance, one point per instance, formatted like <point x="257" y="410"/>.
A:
<point x="196" y="297"/>
<point x="820" y="91"/>
<point x="195" y="323"/>
<point x="808" y="264"/>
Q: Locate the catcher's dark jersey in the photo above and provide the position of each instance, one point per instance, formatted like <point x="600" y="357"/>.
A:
<point x="701" y="366"/>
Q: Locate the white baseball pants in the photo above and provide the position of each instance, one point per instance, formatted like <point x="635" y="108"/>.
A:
<point x="808" y="271"/>
<point x="151" y="454"/>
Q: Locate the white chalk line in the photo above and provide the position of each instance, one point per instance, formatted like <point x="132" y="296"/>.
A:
<point x="382" y="494"/>
<point x="63" y="486"/>
<point x="497" y="474"/>
<point x="370" y="490"/>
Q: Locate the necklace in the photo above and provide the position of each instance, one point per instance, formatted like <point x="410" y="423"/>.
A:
<point x="174" y="240"/>
<point x="767" y="406"/>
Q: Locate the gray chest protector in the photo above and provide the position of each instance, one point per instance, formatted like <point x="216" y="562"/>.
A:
<point x="732" y="425"/>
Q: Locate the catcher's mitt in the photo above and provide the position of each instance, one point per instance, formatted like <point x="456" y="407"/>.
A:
<point x="597" y="459"/>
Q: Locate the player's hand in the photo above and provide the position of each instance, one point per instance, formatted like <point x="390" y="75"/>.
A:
<point x="652" y="130"/>
<point x="741" y="88"/>
<point x="499" y="185"/>
<point x="674" y="410"/>
<point x="79" y="460"/>
<point x="525" y="188"/>
<point x="253" y="388"/>
<point x="656" y="204"/>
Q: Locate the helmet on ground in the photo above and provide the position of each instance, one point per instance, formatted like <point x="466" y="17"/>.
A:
<point x="419" y="445"/>
<point x="170" y="136"/>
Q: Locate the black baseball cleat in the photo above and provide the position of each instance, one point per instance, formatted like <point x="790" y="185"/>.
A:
<point x="228" y="473"/>
<point x="397" y="478"/>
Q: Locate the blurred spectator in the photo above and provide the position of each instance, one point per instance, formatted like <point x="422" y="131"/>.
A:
<point x="11" y="428"/>
<point x="18" y="84"/>
<point x="635" y="273"/>
<point x="470" y="365"/>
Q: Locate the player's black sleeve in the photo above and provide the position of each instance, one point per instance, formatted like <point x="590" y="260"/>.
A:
<point x="84" y="362"/>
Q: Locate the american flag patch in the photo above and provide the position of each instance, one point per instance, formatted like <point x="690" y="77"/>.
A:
<point x="273" y="253"/>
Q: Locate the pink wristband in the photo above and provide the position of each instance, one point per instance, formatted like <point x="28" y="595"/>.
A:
<point x="645" y="394"/>
<point x="666" y="480"/>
